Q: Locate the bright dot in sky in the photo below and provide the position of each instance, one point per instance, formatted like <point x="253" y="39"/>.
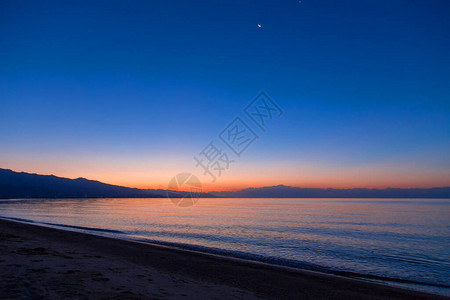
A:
<point x="259" y="25"/>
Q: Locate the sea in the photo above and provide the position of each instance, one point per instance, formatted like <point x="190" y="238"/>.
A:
<point x="400" y="242"/>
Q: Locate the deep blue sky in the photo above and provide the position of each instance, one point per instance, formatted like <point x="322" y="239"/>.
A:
<point x="129" y="91"/>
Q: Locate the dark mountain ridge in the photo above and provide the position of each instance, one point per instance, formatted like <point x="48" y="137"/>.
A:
<point x="282" y="191"/>
<point x="27" y="185"/>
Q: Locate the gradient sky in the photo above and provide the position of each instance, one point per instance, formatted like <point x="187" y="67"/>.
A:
<point x="128" y="92"/>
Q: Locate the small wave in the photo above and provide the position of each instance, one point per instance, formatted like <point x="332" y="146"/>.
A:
<point x="86" y="228"/>
<point x="19" y="219"/>
<point x="287" y="263"/>
<point x="66" y="226"/>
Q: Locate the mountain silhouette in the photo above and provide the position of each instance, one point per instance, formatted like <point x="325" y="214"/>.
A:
<point x="26" y="185"/>
<point x="282" y="191"/>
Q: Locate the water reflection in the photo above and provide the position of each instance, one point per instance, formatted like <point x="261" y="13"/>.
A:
<point x="399" y="238"/>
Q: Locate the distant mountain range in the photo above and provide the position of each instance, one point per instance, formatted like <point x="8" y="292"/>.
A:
<point x="26" y="185"/>
<point x="282" y="191"/>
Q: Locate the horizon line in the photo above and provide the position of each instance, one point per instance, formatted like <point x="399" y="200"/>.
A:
<point x="236" y="190"/>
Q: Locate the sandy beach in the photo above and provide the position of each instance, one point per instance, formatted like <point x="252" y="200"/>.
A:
<point x="39" y="262"/>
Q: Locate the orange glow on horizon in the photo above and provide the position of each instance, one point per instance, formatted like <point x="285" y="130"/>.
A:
<point x="157" y="175"/>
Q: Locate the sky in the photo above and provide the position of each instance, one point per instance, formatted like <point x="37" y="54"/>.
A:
<point x="130" y="92"/>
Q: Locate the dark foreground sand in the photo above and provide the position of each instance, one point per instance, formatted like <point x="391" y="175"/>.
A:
<point x="44" y="263"/>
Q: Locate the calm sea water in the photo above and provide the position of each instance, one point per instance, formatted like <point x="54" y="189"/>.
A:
<point x="393" y="240"/>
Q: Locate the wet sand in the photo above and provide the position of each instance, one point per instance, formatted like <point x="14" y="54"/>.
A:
<point x="39" y="262"/>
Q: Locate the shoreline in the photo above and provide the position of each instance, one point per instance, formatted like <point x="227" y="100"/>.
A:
<point x="230" y="277"/>
<point x="245" y="257"/>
